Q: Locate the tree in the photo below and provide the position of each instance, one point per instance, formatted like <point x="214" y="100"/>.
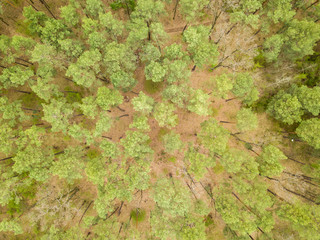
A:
<point x="176" y="71"/>
<point x="199" y="103"/>
<point x="10" y="225"/>
<point x="34" y="160"/>
<point x="246" y="120"/>
<point x="239" y="163"/>
<point x="72" y="48"/>
<point x="234" y="216"/>
<point x="89" y="107"/>
<point x="172" y="142"/>
<point x="109" y="149"/>
<point x="15" y="76"/>
<point x="269" y="164"/>
<point x="36" y="19"/>
<point x="280" y="11"/>
<point x="308" y="131"/>
<point x="177" y="94"/>
<point x="143" y="103"/>
<point x="164" y="114"/>
<point x="136" y="145"/>
<point x="197" y="163"/>
<point x="272" y="47"/>
<point x="202" y="52"/>
<point x="172" y="197"/>
<point x="242" y="85"/>
<point x="112" y="25"/>
<point x="85" y="69"/>
<point x="155" y="72"/>
<point x="221" y="85"/>
<point x="310" y="99"/>
<point x="46" y="90"/>
<point x="213" y="136"/>
<point x="140" y="122"/>
<point x="94" y="7"/>
<point x="192" y="9"/>
<point x="122" y="80"/>
<point x="53" y="31"/>
<point x="108" y="98"/>
<point x="69" y="15"/>
<point x="103" y="124"/>
<point x="285" y="107"/>
<point x="57" y="113"/>
<point x="302" y="217"/>
<point x="11" y="111"/>
<point x="69" y="166"/>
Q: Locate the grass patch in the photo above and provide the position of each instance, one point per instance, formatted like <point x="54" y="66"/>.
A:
<point x="152" y="87"/>
<point x="213" y="112"/>
<point x="138" y="215"/>
<point x="172" y="159"/>
<point x="93" y="153"/>
<point x="162" y="132"/>
<point x="218" y="168"/>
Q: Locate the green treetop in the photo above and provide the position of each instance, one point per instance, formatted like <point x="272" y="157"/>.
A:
<point x="172" y="142"/>
<point x="246" y="120"/>
<point x="213" y="136"/>
<point x="103" y="124"/>
<point x="202" y="51"/>
<point x="15" y="76"/>
<point x="197" y="163"/>
<point x="192" y="9"/>
<point x="242" y="85"/>
<point x="172" y="197"/>
<point x="34" y="160"/>
<point x="221" y="85"/>
<point x="310" y="99"/>
<point x="285" y="107"/>
<point x="269" y="164"/>
<point x="308" y="131"/>
<point x="303" y="218"/>
<point x="164" y="114"/>
<point x="177" y="94"/>
<point x="108" y="98"/>
<point x="11" y="225"/>
<point x="143" y="103"/>
<point x="136" y="144"/>
<point x="69" y="15"/>
<point x="57" y="113"/>
<point x="89" y="107"/>
<point x="155" y="72"/>
<point x="140" y="122"/>
<point x="94" y="7"/>
<point x="69" y="165"/>
<point x="199" y="102"/>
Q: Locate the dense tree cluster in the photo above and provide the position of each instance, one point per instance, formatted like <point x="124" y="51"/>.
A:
<point x="115" y="125"/>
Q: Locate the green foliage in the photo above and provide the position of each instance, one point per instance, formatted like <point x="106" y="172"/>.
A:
<point x="140" y="122"/>
<point x="123" y="80"/>
<point x="308" y="131"/>
<point x="303" y="218"/>
<point x="136" y="144"/>
<point x="199" y="103"/>
<point x="213" y="136"/>
<point x="164" y="114"/>
<point x="89" y="107"/>
<point x="177" y="94"/>
<point x="57" y="113"/>
<point x="197" y="163"/>
<point x="221" y="85"/>
<point x="172" y="197"/>
<point x="242" y="85"/>
<point x="202" y="51"/>
<point x="103" y="124"/>
<point x="310" y="99"/>
<point x="15" y="76"/>
<point x="138" y="215"/>
<point x="108" y="98"/>
<point x="155" y="72"/>
<point x="94" y="7"/>
<point x="269" y="164"/>
<point x="69" y="15"/>
<point x="69" y="166"/>
<point x="285" y="107"/>
<point x="10" y="225"/>
<point x="246" y="120"/>
<point x="172" y="142"/>
<point x="143" y="103"/>
<point x="191" y="9"/>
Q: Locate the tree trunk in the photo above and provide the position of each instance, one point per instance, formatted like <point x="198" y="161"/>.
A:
<point x="194" y="68"/>
<point x="31" y="4"/>
<point x="312" y="4"/>
<point x="230" y="99"/>
<point x="175" y="9"/>
<point x="185" y="27"/>
<point x="85" y="211"/>
<point x="22" y="91"/>
<point x="122" y="110"/>
<point x="128" y="10"/>
<point x="1" y="19"/>
<point x="227" y="122"/>
<point x="7" y="158"/>
<point x="232" y="27"/>
<point x="47" y="7"/>
<point x="124" y="115"/>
